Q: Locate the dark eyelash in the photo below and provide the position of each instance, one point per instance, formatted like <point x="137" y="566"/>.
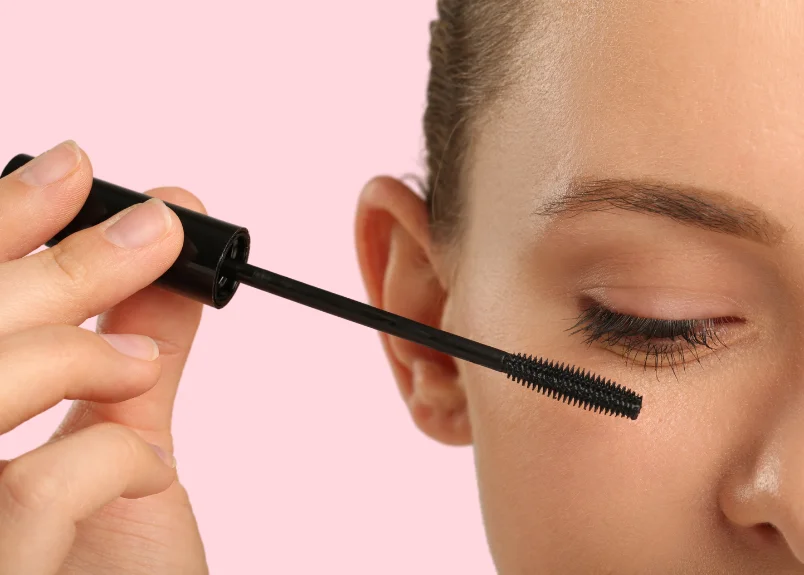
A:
<point x="657" y="338"/>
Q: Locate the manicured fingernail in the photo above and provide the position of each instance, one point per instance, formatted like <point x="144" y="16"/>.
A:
<point x="141" y="225"/>
<point x="169" y="460"/>
<point x="52" y="166"/>
<point x="137" y="346"/>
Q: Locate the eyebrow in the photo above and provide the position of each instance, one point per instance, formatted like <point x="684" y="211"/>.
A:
<point x="690" y="206"/>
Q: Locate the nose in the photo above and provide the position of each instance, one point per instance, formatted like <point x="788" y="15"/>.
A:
<point x="765" y="495"/>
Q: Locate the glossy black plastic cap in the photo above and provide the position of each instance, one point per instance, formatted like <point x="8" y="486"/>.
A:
<point x="208" y="242"/>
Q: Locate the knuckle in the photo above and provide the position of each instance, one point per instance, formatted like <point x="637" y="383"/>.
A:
<point x="69" y="269"/>
<point x="30" y="491"/>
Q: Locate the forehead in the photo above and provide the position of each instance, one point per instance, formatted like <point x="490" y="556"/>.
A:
<point x="704" y="92"/>
<point x="685" y="74"/>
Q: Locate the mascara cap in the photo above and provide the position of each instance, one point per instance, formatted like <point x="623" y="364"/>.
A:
<point x="208" y="242"/>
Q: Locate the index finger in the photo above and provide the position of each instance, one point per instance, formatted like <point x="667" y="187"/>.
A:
<point x="40" y="198"/>
<point x="91" y="270"/>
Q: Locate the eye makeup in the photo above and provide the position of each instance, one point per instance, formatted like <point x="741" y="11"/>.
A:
<point x="661" y="342"/>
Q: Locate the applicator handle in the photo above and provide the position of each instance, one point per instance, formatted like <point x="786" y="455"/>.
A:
<point x="208" y="242"/>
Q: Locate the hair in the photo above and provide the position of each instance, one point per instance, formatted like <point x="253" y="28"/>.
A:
<point x="472" y="59"/>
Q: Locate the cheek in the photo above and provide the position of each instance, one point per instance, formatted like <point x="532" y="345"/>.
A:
<point x="551" y="479"/>
<point x="562" y="486"/>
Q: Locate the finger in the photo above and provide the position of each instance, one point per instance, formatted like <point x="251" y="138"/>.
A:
<point x="91" y="270"/>
<point x="39" y="199"/>
<point x="45" y="492"/>
<point x="44" y="365"/>
<point x="172" y="321"/>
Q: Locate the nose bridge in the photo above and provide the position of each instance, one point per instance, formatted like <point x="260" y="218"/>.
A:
<point x="770" y="490"/>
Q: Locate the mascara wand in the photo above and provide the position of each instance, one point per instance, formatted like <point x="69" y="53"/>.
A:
<point x="213" y="262"/>
<point x="563" y="383"/>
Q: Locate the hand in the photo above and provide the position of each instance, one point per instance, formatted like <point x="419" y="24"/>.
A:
<point x="97" y="498"/>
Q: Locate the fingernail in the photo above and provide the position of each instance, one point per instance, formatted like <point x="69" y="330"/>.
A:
<point x="141" y="225"/>
<point x="137" y="346"/>
<point x="52" y="166"/>
<point x="169" y="460"/>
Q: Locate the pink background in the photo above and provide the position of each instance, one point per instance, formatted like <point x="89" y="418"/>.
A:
<point x="290" y="434"/>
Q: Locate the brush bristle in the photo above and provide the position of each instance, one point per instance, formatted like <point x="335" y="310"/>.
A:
<point x="570" y="384"/>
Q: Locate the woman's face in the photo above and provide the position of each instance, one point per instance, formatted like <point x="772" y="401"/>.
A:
<point x="650" y="163"/>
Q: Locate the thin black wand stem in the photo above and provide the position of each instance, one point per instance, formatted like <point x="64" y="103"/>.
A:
<point x="368" y="316"/>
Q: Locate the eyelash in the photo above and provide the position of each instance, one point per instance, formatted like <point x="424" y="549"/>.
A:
<point x="660" y="339"/>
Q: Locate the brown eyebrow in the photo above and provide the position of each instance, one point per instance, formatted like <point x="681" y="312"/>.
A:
<point x="687" y="205"/>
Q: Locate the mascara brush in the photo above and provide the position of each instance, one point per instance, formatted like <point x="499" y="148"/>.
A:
<point x="213" y="263"/>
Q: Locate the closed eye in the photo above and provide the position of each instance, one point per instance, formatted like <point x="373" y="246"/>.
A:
<point x="658" y="341"/>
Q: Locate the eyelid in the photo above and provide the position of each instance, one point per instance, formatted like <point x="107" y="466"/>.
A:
<point x="664" y="303"/>
<point x="660" y="339"/>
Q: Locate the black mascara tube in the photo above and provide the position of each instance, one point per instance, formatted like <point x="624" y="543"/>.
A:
<point x="198" y="273"/>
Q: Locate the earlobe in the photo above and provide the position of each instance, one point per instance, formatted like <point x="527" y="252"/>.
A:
<point x="439" y="408"/>
<point x="397" y="263"/>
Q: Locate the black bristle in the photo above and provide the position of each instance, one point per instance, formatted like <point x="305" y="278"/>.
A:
<point x="566" y="382"/>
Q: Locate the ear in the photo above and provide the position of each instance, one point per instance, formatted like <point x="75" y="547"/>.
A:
<point x="396" y="259"/>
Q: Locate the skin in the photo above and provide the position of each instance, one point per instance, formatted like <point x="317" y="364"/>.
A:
<point x="709" y="479"/>
<point x="97" y="498"/>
